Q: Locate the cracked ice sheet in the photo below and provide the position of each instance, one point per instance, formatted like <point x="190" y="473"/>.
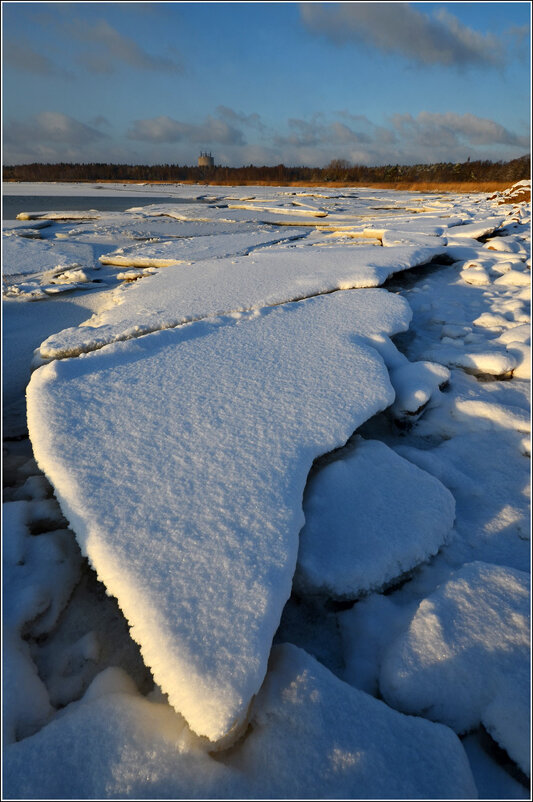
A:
<point x="122" y="228"/>
<point x="267" y="277"/>
<point x="175" y="251"/>
<point x="324" y="739"/>
<point x="205" y="213"/>
<point x="25" y="256"/>
<point x="464" y="658"/>
<point x="204" y="436"/>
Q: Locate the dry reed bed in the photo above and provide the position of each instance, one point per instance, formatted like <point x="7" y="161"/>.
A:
<point x="406" y="186"/>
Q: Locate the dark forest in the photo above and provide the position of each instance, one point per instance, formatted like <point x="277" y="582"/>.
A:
<point x="338" y="170"/>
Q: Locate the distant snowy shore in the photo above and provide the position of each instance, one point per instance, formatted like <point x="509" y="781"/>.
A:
<point x="266" y="514"/>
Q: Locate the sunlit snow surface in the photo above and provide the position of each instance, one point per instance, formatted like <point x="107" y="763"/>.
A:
<point x="218" y="348"/>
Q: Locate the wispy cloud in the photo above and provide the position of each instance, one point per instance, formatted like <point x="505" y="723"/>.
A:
<point x="165" y="129"/>
<point x="451" y="129"/>
<point x="114" y="49"/>
<point x="403" y="139"/>
<point x="428" y="137"/>
<point x="240" y="118"/>
<point x="400" y="28"/>
<point x="20" y="55"/>
<point x="100" y="121"/>
<point x="318" y="132"/>
<point x="52" y="126"/>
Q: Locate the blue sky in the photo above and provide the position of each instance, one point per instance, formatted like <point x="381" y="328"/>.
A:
<point x="265" y="83"/>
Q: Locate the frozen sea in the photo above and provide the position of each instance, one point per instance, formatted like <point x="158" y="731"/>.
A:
<point x="266" y="460"/>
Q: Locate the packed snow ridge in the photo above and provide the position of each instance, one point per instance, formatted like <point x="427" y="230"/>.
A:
<point x="194" y="410"/>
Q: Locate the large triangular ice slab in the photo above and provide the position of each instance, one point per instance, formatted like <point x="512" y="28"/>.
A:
<point x="180" y="460"/>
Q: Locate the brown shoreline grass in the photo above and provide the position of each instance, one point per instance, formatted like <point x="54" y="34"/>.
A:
<point x="410" y="186"/>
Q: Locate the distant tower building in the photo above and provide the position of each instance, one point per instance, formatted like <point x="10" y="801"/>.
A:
<point x="206" y="160"/>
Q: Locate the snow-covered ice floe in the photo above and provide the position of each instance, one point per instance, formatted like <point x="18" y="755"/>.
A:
<point x="370" y="518"/>
<point x="220" y="422"/>
<point x="197" y="425"/>
<point x="267" y="277"/>
<point x="311" y="737"/>
<point x="188" y="250"/>
<point x="465" y="657"/>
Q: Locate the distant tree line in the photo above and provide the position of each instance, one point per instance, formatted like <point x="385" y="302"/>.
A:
<point x="338" y="170"/>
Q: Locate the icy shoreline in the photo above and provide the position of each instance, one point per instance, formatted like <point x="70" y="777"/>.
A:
<point x="112" y="454"/>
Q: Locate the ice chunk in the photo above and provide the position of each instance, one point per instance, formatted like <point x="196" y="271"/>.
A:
<point x="312" y="737"/>
<point x="476" y="275"/>
<point x="38" y="576"/>
<point x="505" y="244"/>
<point x="75" y="275"/>
<point x="517" y="340"/>
<point x="478" y="229"/>
<point x="465" y="657"/>
<point x="492" y="505"/>
<point x="218" y="423"/>
<point x="478" y="362"/>
<point x="333" y="741"/>
<point x="91" y="214"/>
<point x="521" y="333"/>
<point x="416" y="383"/>
<point x="454" y="331"/>
<point x="492" y="781"/>
<point x="293" y="209"/>
<point x="370" y="518"/>
<point x="522" y="354"/>
<point x="394" y="238"/>
<point x="514" y="278"/>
